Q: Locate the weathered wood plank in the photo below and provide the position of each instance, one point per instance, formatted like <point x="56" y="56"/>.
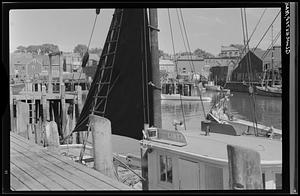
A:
<point x="91" y="172"/>
<point x="27" y="166"/>
<point x="77" y="180"/>
<point x="25" y="178"/>
<point x="68" y="170"/>
<point x="17" y="185"/>
<point x="65" y="183"/>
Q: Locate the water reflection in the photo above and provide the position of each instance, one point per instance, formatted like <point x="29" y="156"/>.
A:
<point x="268" y="110"/>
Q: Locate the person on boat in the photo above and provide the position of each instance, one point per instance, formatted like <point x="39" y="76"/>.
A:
<point x="270" y="132"/>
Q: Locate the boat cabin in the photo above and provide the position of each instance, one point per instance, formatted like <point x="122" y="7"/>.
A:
<point x="195" y="161"/>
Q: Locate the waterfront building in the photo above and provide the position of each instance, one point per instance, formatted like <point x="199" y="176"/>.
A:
<point x="266" y="57"/>
<point x="229" y="51"/>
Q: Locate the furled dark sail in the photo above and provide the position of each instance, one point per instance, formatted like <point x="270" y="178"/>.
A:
<point x="120" y="90"/>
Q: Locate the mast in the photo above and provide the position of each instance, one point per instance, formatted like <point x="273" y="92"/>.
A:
<point x="155" y="66"/>
<point x="272" y="57"/>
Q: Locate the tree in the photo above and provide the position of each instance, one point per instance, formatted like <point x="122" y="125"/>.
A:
<point x="20" y="49"/>
<point x="35" y="49"/>
<point x="48" y="48"/>
<point x="203" y="54"/>
<point x="95" y="51"/>
<point x="81" y="49"/>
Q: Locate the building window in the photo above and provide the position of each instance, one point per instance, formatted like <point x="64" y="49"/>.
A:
<point x="166" y="173"/>
<point x="278" y="180"/>
<point x="183" y="70"/>
<point x="264" y="180"/>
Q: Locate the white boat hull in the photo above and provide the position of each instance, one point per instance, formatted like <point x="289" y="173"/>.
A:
<point x="184" y="98"/>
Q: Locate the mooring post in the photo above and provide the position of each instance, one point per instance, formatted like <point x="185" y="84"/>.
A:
<point x="79" y="104"/>
<point x="63" y="108"/>
<point x="45" y="115"/>
<point x="22" y="118"/>
<point x="102" y="145"/>
<point x="11" y="107"/>
<point x="155" y="66"/>
<point x="52" y="136"/>
<point x="244" y="168"/>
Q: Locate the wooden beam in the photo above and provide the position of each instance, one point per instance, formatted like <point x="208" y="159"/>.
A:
<point x="244" y="168"/>
<point x="102" y="145"/>
<point x="155" y="66"/>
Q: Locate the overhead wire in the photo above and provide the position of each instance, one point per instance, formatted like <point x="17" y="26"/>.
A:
<point x="250" y="73"/>
<point x="189" y="51"/>
<point x="176" y="66"/>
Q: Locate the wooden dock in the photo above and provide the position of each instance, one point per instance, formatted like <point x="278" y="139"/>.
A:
<point x="34" y="168"/>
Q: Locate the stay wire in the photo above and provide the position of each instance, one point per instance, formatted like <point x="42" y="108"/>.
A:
<point x="267" y="31"/>
<point x="173" y="45"/>
<point x="187" y="40"/>
<point x="250" y="73"/>
<point x="87" y="133"/>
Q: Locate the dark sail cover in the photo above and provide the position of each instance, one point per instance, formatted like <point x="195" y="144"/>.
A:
<point x="129" y="98"/>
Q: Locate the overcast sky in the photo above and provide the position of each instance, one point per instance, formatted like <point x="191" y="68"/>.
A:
<point x="207" y="28"/>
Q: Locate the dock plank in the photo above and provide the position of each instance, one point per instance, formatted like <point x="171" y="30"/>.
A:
<point x="70" y="173"/>
<point x="17" y="185"/>
<point x="59" y="170"/>
<point x="78" y="180"/>
<point x="98" y="176"/>
<point x="26" y="179"/>
<point x="37" y="173"/>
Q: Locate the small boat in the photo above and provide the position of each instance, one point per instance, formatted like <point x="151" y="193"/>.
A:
<point x="225" y="122"/>
<point x="268" y="91"/>
<point x="184" y="98"/>
<point x="17" y="88"/>
<point x="212" y="87"/>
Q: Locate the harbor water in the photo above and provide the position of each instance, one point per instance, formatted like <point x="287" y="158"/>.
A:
<point x="268" y="110"/>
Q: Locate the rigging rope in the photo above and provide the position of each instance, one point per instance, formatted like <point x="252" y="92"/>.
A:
<point x="183" y="40"/>
<point x="187" y="40"/>
<point x="271" y="45"/>
<point x="176" y="68"/>
<point x="250" y="74"/>
<point x="84" y="61"/>
<point x="266" y="31"/>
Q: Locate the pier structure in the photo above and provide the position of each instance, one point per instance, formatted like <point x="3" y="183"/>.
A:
<point x="41" y="101"/>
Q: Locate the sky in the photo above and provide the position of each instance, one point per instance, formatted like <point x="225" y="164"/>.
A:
<point x="207" y="28"/>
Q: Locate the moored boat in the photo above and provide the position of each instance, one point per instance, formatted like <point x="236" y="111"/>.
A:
<point x="184" y="98"/>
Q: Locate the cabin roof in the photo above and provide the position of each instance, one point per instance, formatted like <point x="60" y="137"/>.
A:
<point x="214" y="146"/>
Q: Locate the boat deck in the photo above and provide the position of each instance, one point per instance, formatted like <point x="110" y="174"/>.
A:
<point x="34" y="168"/>
<point x="214" y="146"/>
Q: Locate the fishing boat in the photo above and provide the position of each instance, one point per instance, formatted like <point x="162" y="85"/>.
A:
<point x="168" y="159"/>
<point x="267" y="89"/>
<point x="184" y="98"/>
<point x="225" y="122"/>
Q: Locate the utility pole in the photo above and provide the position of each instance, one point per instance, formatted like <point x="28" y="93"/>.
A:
<point x="272" y="57"/>
<point x="155" y="66"/>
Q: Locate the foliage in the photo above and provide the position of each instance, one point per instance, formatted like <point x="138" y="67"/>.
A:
<point x="95" y="51"/>
<point x="81" y="49"/>
<point x="203" y="54"/>
<point x="38" y="49"/>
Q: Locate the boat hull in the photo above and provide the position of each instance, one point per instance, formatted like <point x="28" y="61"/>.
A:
<point x="266" y="92"/>
<point x="185" y="98"/>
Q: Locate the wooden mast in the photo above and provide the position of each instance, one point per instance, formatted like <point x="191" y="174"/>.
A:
<point x="155" y="66"/>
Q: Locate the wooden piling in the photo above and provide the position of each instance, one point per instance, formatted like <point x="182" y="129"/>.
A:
<point x="45" y="114"/>
<point x="52" y="136"/>
<point x="63" y="108"/>
<point x="244" y="168"/>
<point x="155" y="66"/>
<point x="79" y="104"/>
<point x="22" y="118"/>
<point x="101" y="134"/>
<point x="11" y="107"/>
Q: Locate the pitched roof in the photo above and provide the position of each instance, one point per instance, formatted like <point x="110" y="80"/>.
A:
<point x="229" y="48"/>
<point x="267" y="55"/>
